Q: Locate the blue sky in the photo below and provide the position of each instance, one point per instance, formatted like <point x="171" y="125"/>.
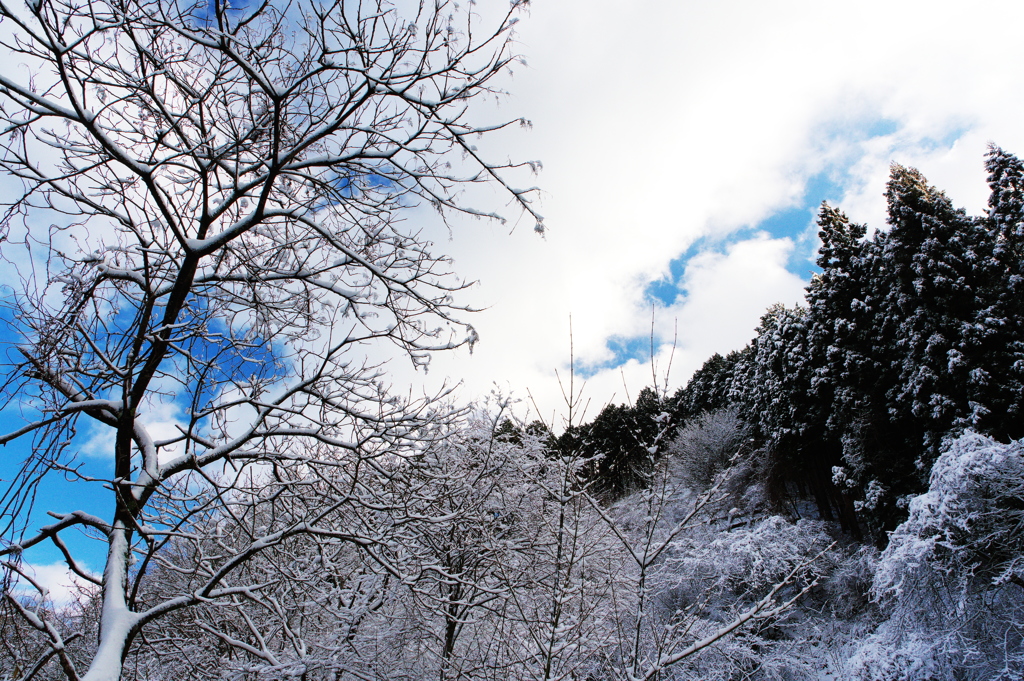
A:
<point x="61" y="493"/>
<point x="88" y="449"/>
<point x="796" y="223"/>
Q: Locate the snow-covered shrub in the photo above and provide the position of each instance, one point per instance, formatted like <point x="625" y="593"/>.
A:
<point x="704" y="446"/>
<point x="847" y="590"/>
<point x="950" y="581"/>
<point x="740" y="564"/>
<point x="713" y="573"/>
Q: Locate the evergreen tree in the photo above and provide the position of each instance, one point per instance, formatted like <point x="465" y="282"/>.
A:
<point x="998" y="331"/>
<point x="904" y="375"/>
<point x="893" y="336"/>
<point x="839" y="347"/>
<point x="909" y="337"/>
<point x="622" y="440"/>
<point x="776" y="382"/>
<point x="709" y="389"/>
<point x="839" y="330"/>
<point x="929" y="292"/>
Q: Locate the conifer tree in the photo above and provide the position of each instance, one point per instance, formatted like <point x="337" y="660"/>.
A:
<point x="709" y="389"/>
<point x="838" y="315"/>
<point x="776" y="381"/>
<point x="621" y="439"/>
<point x="839" y="347"/>
<point x="931" y="285"/>
<point x="909" y="338"/>
<point x="998" y="331"/>
<point x="890" y="318"/>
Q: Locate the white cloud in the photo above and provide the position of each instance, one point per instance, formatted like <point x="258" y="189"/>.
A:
<point x="729" y="292"/>
<point x="162" y="421"/>
<point x="62" y="586"/>
<point x="662" y="123"/>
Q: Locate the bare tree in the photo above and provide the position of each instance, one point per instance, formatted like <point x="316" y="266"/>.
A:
<point x="689" y="587"/>
<point x="475" y="499"/>
<point x="656" y="532"/>
<point x="317" y="613"/>
<point x="226" y="185"/>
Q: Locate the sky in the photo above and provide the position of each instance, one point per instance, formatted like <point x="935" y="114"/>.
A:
<point x="686" y="147"/>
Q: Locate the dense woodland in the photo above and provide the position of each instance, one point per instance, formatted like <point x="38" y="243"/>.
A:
<point x="841" y="499"/>
<point x="908" y="338"/>
<point x="205" y="246"/>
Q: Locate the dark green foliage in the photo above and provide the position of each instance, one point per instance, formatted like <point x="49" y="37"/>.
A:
<point x="622" y="461"/>
<point x="929" y="280"/>
<point x="508" y="431"/>
<point x="774" y="388"/>
<point x="621" y="443"/>
<point x="908" y="338"/>
<point x="623" y="439"/>
<point x="892" y="362"/>
<point x="840" y="328"/>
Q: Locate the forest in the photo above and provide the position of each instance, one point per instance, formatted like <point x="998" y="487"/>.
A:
<point x="206" y="245"/>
